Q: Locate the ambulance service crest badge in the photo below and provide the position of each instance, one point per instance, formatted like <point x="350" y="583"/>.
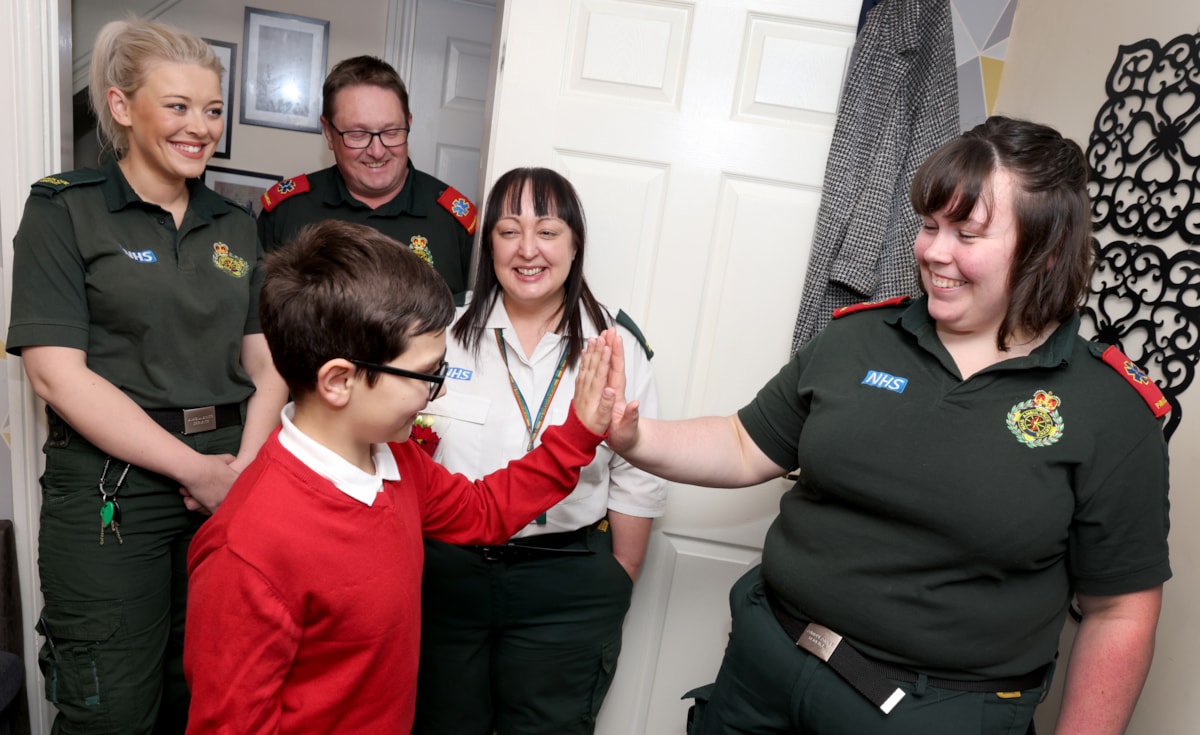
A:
<point x="1036" y="422"/>
<point x="231" y="263"/>
<point x="419" y="244"/>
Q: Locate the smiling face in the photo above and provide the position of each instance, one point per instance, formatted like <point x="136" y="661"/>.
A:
<point x="385" y="411"/>
<point x="532" y="258"/>
<point x="374" y="174"/>
<point x="965" y="265"/>
<point x="174" y="121"/>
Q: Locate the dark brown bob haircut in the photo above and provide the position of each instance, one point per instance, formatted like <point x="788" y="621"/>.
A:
<point x="553" y="196"/>
<point x="359" y="70"/>
<point x="1053" y="261"/>
<point x="346" y="290"/>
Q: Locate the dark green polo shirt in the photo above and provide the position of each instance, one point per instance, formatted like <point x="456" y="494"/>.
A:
<point x="413" y="217"/>
<point x="942" y="524"/>
<point x="160" y="311"/>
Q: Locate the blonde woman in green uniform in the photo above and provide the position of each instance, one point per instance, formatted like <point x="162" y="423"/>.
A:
<point x="134" y="311"/>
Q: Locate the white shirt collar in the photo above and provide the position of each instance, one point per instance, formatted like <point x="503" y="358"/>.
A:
<point x="551" y="342"/>
<point x="352" y="481"/>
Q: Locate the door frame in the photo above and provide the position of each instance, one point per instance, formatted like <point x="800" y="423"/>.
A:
<point x="34" y="134"/>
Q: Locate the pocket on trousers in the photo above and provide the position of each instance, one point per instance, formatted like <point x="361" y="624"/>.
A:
<point x="609" y="653"/>
<point x="695" y="714"/>
<point x="69" y="658"/>
<point x="70" y="474"/>
<point x="1010" y="714"/>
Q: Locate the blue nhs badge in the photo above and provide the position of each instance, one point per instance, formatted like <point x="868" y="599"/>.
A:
<point x="457" y="373"/>
<point x="141" y="256"/>
<point x="884" y="380"/>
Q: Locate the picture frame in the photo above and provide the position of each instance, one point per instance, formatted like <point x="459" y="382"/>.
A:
<point x="227" y="53"/>
<point x="244" y="187"/>
<point x="283" y="68"/>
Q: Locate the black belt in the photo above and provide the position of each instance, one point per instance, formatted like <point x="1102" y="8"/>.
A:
<point x="196" y="420"/>
<point x="869" y="676"/>
<point x="543" y="546"/>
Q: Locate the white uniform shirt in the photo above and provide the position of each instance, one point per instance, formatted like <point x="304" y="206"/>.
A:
<point x="482" y="430"/>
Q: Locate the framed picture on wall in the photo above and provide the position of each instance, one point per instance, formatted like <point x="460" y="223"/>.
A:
<point x="227" y="53"/>
<point x="283" y="70"/>
<point x="244" y="187"/>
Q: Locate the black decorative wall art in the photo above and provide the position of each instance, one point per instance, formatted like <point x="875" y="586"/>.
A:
<point x="1144" y="151"/>
<point x="1148" y="304"/>
<point x="1144" y="154"/>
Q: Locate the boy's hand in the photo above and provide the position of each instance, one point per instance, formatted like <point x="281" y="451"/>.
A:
<point x="594" y="396"/>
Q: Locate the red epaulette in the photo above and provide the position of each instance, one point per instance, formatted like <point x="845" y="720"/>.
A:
<point x="865" y="305"/>
<point x="459" y="206"/>
<point x="284" y="189"/>
<point x="1138" y="378"/>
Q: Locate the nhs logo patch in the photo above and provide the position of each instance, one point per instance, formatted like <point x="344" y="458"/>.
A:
<point x="457" y="373"/>
<point x="141" y="256"/>
<point x="883" y="380"/>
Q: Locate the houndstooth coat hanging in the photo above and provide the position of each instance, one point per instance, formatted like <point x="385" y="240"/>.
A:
<point x="899" y="104"/>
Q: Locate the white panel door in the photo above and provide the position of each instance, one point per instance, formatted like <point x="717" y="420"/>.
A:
<point x="697" y="133"/>
<point x="448" y="84"/>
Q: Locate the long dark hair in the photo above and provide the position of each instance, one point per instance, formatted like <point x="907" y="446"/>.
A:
<point x="553" y="196"/>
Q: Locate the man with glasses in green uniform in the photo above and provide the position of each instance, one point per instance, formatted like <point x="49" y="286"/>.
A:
<point x="366" y="120"/>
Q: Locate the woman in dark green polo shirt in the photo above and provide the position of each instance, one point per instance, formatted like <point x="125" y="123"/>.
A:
<point x="135" y="313"/>
<point x="967" y="463"/>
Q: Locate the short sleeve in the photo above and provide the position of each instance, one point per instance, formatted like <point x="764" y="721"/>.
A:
<point x="776" y="416"/>
<point x="49" y="293"/>
<point x="1118" y="536"/>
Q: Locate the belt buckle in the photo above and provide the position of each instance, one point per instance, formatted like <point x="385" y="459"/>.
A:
<point x="851" y="666"/>
<point x="492" y="553"/>
<point x="199" y="420"/>
<point x="819" y="641"/>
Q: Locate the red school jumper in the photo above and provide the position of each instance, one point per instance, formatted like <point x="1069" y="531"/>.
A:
<point x="304" y="605"/>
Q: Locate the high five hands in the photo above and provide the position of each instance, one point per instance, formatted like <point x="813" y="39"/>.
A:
<point x="600" y="392"/>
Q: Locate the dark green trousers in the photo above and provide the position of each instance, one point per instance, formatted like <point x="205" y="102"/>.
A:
<point x="768" y="686"/>
<point x="114" y="613"/>
<point x="522" y="648"/>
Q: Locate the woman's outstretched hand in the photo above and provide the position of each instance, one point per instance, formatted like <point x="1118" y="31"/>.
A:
<point x="623" y="428"/>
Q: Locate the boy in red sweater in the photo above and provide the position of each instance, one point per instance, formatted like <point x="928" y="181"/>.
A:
<point x="304" y="592"/>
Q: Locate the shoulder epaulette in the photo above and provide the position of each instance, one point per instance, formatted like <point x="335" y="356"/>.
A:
<point x="625" y="321"/>
<point x="866" y="305"/>
<point x="58" y="182"/>
<point x="460" y="207"/>
<point x="1136" y="377"/>
<point x="283" y="190"/>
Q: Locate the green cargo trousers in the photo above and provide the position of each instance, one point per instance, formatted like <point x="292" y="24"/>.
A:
<point x="113" y="617"/>
<point x="525" y="648"/>
<point x="768" y="686"/>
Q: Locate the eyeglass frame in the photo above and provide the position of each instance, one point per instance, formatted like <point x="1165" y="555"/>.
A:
<point x="435" y="380"/>
<point x="370" y="140"/>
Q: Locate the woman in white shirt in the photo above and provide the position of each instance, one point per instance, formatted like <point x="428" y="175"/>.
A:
<point x="524" y="637"/>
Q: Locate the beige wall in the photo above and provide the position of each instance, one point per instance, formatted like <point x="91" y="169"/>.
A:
<point x="272" y="150"/>
<point x="1059" y="55"/>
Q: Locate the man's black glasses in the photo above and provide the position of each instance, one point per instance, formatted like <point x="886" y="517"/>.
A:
<point x="435" y="379"/>
<point x="359" y="139"/>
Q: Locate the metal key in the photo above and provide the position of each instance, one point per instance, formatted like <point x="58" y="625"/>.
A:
<point x="110" y="515"/>
<point x="110" y="510"/>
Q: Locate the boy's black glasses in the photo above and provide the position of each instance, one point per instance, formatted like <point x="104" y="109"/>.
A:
<point x="435" y="379"/>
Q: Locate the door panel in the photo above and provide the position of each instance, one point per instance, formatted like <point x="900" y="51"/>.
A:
<point x="451" y="53"/>
<point x="696" y="134"/>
